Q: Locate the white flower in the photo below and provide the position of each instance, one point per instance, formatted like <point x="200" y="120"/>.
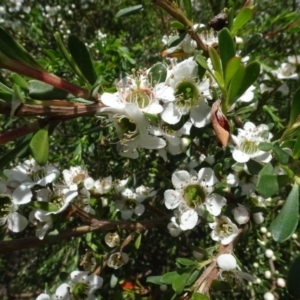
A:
<point x="226" y="262"/>
<point x="103" y="186"/>
<point x="77" y="175"/>
<point x="42" y="220"/>
<point x="247" y="141"/>
<point x="224" y="230"/>
<point x="241" y="214"/>
<point x="294" y="59"/>
<point x="193" y="192"/>
<point x="9" y="201"/>
<point x="31" y="172"/>
<point x="286" y="71"/>
<point x="112" y="239"/>
<point x="133" y="129"/>
<point x="117" y="260"/>
<point x="130" y="203"/>
<point x="136" y="91"/>
<point x="269" y="296"/>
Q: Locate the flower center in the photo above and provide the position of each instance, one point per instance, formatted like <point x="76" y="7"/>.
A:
<point x="128" y="128"/>
<point x="130" y="203"/>
<point x="186" y="96"/>
<point x="224" y="230"/>
<point x="249" y="147"/>
<point x="194" y="196"/>
<point x="80" y="291"/>
<point x="140" y="97"/>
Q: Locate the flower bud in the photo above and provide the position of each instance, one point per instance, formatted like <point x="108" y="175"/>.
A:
<point x="269" y="296"/>
<point x="269" y="253"/>
<point x="226" y="262"/>
<point x="258" y="218"/>
<point x="281" y="282"/>
<point x="268" y="274"/>
<point x="241" y="214"/>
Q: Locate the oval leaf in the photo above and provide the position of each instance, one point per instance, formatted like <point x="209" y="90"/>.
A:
<point x="235" y="85"/>
<point x="215" y="59"/>
<point x="82" y="58"/>
<point x="267" y="185"/>
<point x="39" y="146"/>
<point x="251" y="44"/>
<point x="129" y="10"/>
<point x="226" y="47"/>
<point x="296" y="151"/>
<point x="281" y="155"/>
<point x="287" y="220"/>
<point x="188" y="8"/>
<point x="231" y="68"/>
<point x="241" y="19"/>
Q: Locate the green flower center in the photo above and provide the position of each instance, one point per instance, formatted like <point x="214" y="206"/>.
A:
<point x="186" y="96"/>
<point x="80" y="291"/>
<point x="140" y="97"/>
<point x="130" y="203"/>
<point x="194" y="196"/>
<point x="224" y="230"/>
<point x="249" y="147"/>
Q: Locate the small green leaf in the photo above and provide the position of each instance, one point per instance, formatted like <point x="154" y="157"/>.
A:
<point x="280" y="154"/>
<point x="129" y="10"/>
<point x="157" y="73"/>
<point x="169" y="277"/>
<point x="295" y="108"/>
<point x="244" y="15"/>
<point x="137" y="242"/>
<point x="293" y="285"/>
<point x="198" y="296"/>
<point x="226" y="47"/>
<point x="267" y="170"/>
<point x="82" y="58"/>
<point x="10" y="47"/>
<point x="219" y="79"/>
<point x="296" y="150"/>
<point x="177" y="25"/>
<point x="235" y="85"/>
<point x="186" y="261"/>
<point x="267" y="185"/>
<point x="188" y="8"/>
<point x="179" y="283"/>
<point x="232" y="67"/>
<point x="215" y="59"/>
<point x="251" y="74"/>
<point x="253" y="166"/>
<point x="202" y="62"/>
<point x="155" y="279"/>
<point x="286" y="222"/>
<point x="19" y="80"/>
<point x="39" y="146"/>
<point x="43" y="91"/>
<point x="193" y="277"/>
<point x="113" y="281"/>
<point x="265" y="146"/>
<point x="252" y="44"/>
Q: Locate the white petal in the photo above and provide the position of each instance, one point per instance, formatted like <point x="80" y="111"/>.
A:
<point x="139" y="210"/>
<point x="207" y="176"/>
<point x="95" y="282"/>
<point x="170" y="114"/>
<point x="214" y="204"/>
<point x="89" y="183"/>
<point x="151" y="142"/>
<point x="172" y="199"/>
<point x="201" y="115"/>
<point x="240" y="156"/>
<point x="126" y="214"/>
<point x="188" y="220"/>
<point x="16" y="222"/>
<point x="181" y="179"/>
<point x="62" y="292"/>
<point x="226" y="262"/>
<point x="43" y="297"/>
<point x="22" y="195"/>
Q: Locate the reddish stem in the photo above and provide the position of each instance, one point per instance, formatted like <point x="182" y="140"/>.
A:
<point x="21" y="68"/>
<point x="18" y="132"/>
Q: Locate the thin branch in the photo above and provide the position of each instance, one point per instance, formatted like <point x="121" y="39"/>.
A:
<point x="104" y="225"/>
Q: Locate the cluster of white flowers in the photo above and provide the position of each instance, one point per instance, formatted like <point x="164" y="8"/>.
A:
<point x="40" y="188"/>
<point x="81" y="285"/>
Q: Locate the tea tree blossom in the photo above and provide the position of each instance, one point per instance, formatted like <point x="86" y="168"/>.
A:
<point x="224" y="230"/>
<point x="286" y="71"/>
<point x="192" y="195"/>
<point x="78" y="176"/>
<point x="117" y="260"/>
<point x="247" y="141"/>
